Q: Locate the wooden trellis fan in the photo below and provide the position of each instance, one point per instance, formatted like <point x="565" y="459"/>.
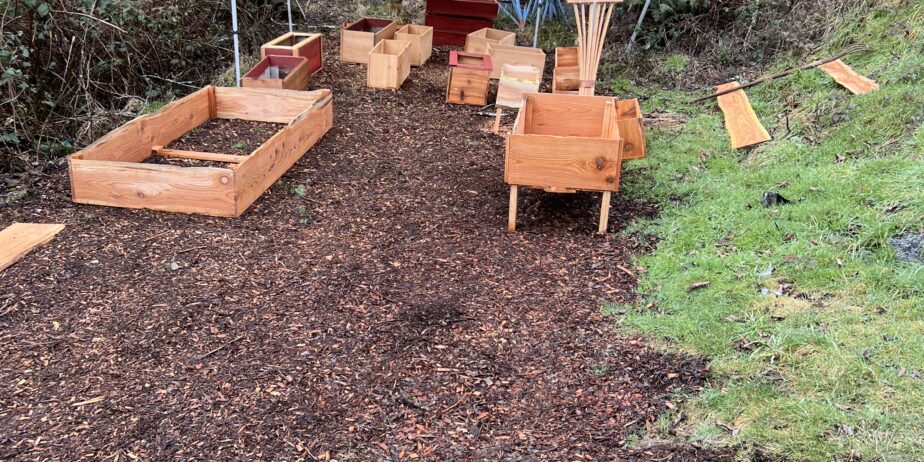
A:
<point x="593" y="20"/>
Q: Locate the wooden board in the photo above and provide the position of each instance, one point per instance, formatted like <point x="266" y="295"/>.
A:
<point x="263" y="105"/>
<point x="515" y="82"/>
<point x="19" y="239"/>
<point x="848" y="78"/>
<point x="509" y="54"/>
<point x="389" y="64"/>
<point x="308" y="46"/>
<point x="358" y="38"/>
<point x="567" y="57"/>
<point x="421" y="39"/>
<point x="563" y="163"/>
<point x="631" y="129"/>
<point x="566" y="115"/>
<point x="740" y="120"/>
<point x="477" y="42"/>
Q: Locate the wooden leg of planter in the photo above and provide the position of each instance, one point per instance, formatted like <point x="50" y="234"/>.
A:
<point x="604" y="212"/>
<point x="497" y="120"/>
<point x="512" y="213"/>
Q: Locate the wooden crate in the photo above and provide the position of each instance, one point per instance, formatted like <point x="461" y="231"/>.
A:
<point x="469" y="78"/>
<point x="631" y="128"/>
<point x="512" y="54"/>
<point x="477" y="42"/>
<point x="308" y="46"/>
<point x="421" y="39"/>
<point x="111" y="171"/>
<point x="566" y="75"/>
<point x="293" y="72"/>
<point x="358" y="38"/>
<point x="389" y="64"/>
<point x="565" y="143"/>
<point x="453" y="20"/>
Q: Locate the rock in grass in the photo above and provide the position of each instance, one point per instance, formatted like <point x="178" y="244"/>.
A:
<point x="909" y="248"/>
<point x="771" y="199"/>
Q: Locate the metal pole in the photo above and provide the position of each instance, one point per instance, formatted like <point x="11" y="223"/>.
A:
<point x="289" y="3"/>
<point x="237" y="46"/>
<point x="538" y="20"/>
<point x="638" y="26"/>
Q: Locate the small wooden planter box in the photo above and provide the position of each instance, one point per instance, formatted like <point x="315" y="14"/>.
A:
<point x="469" y="78"/>
<point x="292" y="71"/>
<point x="389" y="64"/>
<point x="110" y="171"/>
<point x="566" y="76"/>
<point x="421" y="39"/>
<point x="358" y="38"/>
<point x="565" y="143"/>
<point x="477" y="42"/>
<point x="511" y="54"/>
<point x="308" y="46"/>
<point x="631" y="128"/>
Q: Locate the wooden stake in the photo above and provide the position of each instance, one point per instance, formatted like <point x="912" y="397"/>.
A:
<point x="497" y="120"/>
<point x="512" y="213"/>
<point x="604" y="212"/>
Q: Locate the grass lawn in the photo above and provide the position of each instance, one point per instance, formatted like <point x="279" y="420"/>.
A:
<point x="814" y="329"/>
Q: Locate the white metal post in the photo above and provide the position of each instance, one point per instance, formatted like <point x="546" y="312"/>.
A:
<point x="289" y="4"/>
<point x="237" y="46"/>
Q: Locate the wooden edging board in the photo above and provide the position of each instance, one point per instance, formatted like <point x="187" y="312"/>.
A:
<point x="19" y="239"/>
<point x="111" y="171"/>
<point x="741" y="122"/>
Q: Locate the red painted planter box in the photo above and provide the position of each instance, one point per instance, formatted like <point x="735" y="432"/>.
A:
<point x="470" y="8"/>
<point x="452" y="20"/>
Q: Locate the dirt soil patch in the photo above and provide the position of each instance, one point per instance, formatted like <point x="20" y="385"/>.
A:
<point x="369" y="306"/>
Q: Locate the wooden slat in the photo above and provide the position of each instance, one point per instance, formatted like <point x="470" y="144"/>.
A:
<point x="563" y="163"/>
<point x="740" y="120"/>
<point x="848" y="78"/>
<point x="197" y="155"/>
<point x="19" y="239"/>
<point x="264" y="105"/>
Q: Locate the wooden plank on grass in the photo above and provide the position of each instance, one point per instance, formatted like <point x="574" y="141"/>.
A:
<point x="848" y="78"/>
<point x="19" y="239"/>
<point x="740" y="120"/>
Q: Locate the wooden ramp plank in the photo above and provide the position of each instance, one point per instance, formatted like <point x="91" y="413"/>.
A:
<point x="740" y="120"/>
<point x="19" y="239"/>
<point x="848" y="78"/>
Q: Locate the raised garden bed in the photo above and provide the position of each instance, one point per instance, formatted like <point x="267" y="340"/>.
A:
<point x="308" y="46"/>
<point x="565" y="143"/>
<point x="112" y="171"/>
<point x="469" y="78"/>
<point x="477" y="42"/>
<point x="281" y="72"/>
<point x="421" y="39"/>
<point x="511" y="54"/>
<point x="389" y="64"/>
<point x="358" y="38"/>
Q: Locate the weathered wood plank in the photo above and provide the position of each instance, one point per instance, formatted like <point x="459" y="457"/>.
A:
<point x="19" y="239"/>
<point x="740" y="120"/>
<point x="848" y="78"/>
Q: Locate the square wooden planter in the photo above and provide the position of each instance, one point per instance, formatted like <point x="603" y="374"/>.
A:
<point x="111" y="171"/>
<point x="566" y="76"/>
<point x="512" y="54"/>
<point x="631" y="128"/>
<point x="421" y="39"/>
<point x="565" y="143"/>
<point x="358" y="38"/>
<point x="469" y="78"/>
<point x="281" y="72"/>
<point x="477" y="42"/>
<point x="389" y="64"/>
<point x="308" y="46"/>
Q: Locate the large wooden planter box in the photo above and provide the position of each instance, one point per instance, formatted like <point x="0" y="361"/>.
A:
<point x="110" y="171"/>
<point x="631" y="128"/>
<point x="566" y="76"/>
<point x="389" y="64"/>
<point x="512" y="54"/>
<point x="421" y="39"/>
<point x="468" y="8"/>
<point x="477" y="42"/>
<point x="469" y="78"/>
<point x="453" y="20"/>
<point x="358" y="38"/>
<point x="565" y="143"/>
<point x="292" y="73"/>
<point x="308" y="46"/>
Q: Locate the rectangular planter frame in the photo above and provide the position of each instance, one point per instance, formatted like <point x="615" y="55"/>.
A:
<point x="297" y="78"/>
<point x="511" y="54"/>
<point x="477" y="42"/>
<point x="358" y="38"/>
<point x="421" y="39"/>
<point x="111" y="171"/>
<point x="389" y="64"/>
<point x="307" y="45"/>
<point x="469" y="78"/>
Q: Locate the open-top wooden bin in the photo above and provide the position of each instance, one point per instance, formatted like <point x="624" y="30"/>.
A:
<point x="111" y="171"/>
<point x="308" y="46"/>
<point x="389" y="64"/>
<point x="566" y="75"/>
<point x="469" y="78"/>
<point x="358" y="38"/>
<point x="291" y="73"/>
<point x="565" y="143"/>
<point x="477" y="42"/>
<point x="421" y="39"/>
<point x="510" y="54"/>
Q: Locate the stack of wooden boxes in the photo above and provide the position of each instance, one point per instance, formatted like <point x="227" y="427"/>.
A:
<point x="453" y="20"/>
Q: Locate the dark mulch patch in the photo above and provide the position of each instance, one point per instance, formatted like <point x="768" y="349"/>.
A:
<point x="384" y="315"/>
<point x="238" y="137"/>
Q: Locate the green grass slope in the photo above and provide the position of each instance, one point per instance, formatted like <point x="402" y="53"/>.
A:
<point x="814" y="330"/>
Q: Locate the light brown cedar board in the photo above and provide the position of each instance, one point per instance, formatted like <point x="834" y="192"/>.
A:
<point x="515" y="82"/>
<point x="109" y="172"/>
<point x="510" y="54"/>
<point x="19" y="239"/>
<point x="740" y="120"/>
<point x="421" y="38"/>
<point x="389" y="64"/>
<point x="848" y="78"/>
<point x="359" y="37"/>
<point x="477" y="42"/>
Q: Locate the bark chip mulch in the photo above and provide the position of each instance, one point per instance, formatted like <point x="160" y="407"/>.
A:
<point x="369" y="306"/>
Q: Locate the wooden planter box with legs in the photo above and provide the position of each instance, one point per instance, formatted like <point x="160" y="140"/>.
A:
<point x="358" y="38"/>
<point x="510" y="54"/>
<point x="565" y="143"/>
<point x="389" y="64"/>
<point x="308" y="46"/>
<point x="469" y="78"/>
<point x="111" y="171"/>
<point x="477" y="42"/>
<point x="291" y="73"/>
<point x="566" y="75"/>
<point x="421" y="39"/>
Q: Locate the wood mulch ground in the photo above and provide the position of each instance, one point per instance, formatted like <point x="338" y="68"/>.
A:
<point x="369" y="306"/>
